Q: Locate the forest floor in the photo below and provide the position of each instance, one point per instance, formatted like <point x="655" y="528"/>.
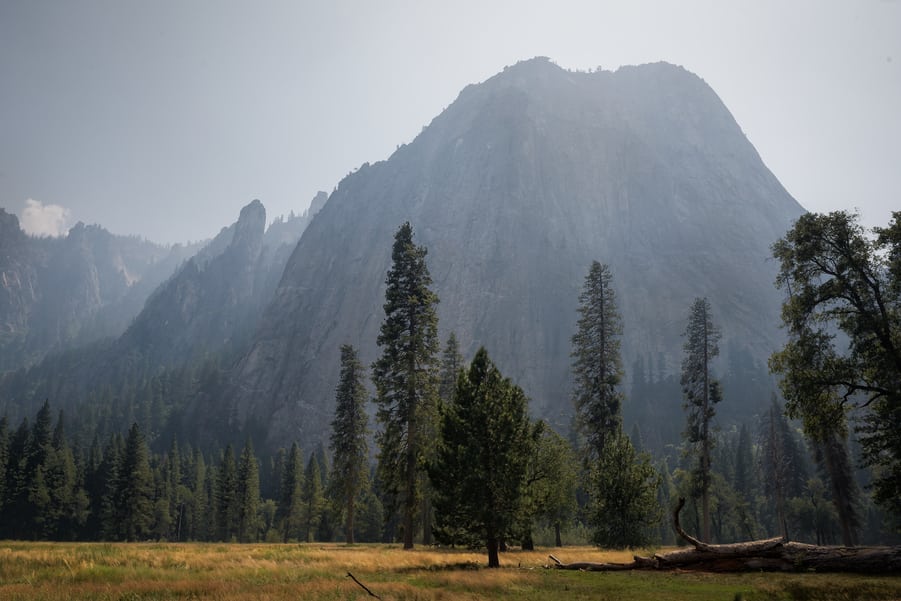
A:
<point x="268" y="572"/>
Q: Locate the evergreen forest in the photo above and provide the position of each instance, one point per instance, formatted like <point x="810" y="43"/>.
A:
<point x="428" y="446"/>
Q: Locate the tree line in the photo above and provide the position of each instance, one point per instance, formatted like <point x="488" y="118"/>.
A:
<point x="459" y="460"/>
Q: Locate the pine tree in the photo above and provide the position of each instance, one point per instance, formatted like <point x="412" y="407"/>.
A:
<point x="110" y="468"/>
<point x="176" y="490"/>
<point x="405" y="377"/>
<point x="348" y="439"/>
<point x="39" y="445"/>
<point x="247" y="496"/>
<point x="482" y="456"/>
<point x="325" y="530"/>
<point x="370" y="517"/>
<point x="288" y="511"/>
<point x="226" y="496"/>
<point x="16" y="506"/>
<point x="134" y="489"/>
<point x="597" y="365"/>
<point x="701" y="392"/>
<point x="66" y="511"/>
<point x="197" y="518"/>
<point x="312" y="501"/>
<point x="451" y="364"/>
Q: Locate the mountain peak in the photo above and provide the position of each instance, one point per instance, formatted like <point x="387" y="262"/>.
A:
<point x="515" y="188"/>
<point x="251" y="225"/>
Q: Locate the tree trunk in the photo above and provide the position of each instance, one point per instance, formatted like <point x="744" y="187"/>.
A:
<point x="527" y="543"/>
<point x="410" y="500"/>
<point x="558" y="540"/>
<point x="493" y="560"/>
<point x="427" y="521"/>
<point x="350" y="522"/>
<point x="844" y="489"/>
<point x="705" y="443"/>
<point x="408" y="529"/>
<point x="773" y="554"/>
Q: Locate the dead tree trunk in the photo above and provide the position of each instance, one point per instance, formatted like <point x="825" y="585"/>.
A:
<point x="768" y="554"/>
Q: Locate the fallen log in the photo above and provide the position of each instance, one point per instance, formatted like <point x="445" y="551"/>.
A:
<point x="638" y="563"/>
<point x="772" y="554"/>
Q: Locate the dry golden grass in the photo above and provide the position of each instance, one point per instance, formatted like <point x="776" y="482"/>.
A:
<point x="133" y="572"/>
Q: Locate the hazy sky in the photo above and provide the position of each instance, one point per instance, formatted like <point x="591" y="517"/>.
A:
<point x="163" y="118"/>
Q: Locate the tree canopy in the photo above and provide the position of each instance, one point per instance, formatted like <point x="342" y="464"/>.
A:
<point x="406" y="377"/>
<point x="348" y="439"/>
<point x="843" y="315"/>
<point x="481" y="461"/>
<point x="701" y="392"/>
<point x="597" y="365"/>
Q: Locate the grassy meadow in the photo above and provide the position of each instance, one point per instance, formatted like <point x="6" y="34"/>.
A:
<point x="267" y="572"/>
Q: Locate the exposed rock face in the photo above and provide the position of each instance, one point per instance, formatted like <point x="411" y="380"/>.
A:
<point x="207" y="302"/>
<point x="211" y="304"/>
<point x="56" y="293"/>
<point x="515" y="189"/>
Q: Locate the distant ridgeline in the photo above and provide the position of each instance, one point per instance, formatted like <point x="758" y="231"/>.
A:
<point x="163" y="366"/>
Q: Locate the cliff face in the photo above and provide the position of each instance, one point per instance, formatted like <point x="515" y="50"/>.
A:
<point x="207" y="308"/>
<point x="205" y="304"/>
<point x="515" y="189"/>
<point x="57" y="293"/>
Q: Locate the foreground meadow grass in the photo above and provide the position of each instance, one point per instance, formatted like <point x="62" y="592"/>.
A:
<point x="133" y="572"/>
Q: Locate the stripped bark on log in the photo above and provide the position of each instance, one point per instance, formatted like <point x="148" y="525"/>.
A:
<point x="773" y="554"/>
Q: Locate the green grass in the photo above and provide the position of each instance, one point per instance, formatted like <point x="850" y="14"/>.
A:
<point x="143" y="572"/>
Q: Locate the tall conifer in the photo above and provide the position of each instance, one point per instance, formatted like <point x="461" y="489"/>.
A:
<point x="482" y="458"/>
<point x="288" y="510"/>
<point x="405" y="377"/>
<point x="701" y="392"/>
<point x="247" y="495"/>
<point x="597" y="364"/>
<point x="134" y="489"/>
<point x="348" y="439"/>
<point x="226" y="495"/>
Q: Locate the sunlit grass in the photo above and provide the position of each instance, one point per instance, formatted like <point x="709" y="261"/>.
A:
<point x="137" y="572"/>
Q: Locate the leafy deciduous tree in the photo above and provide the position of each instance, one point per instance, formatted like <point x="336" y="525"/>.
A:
<point x="624" y="510"/>
<point x="549" y="488"/>
<point x="839" y="280"/>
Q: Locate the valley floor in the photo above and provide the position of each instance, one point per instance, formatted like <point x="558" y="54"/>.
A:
<point x="223" y="572"/>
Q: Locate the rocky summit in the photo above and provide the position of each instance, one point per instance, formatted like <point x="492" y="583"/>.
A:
<point x="514" y="189"/>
